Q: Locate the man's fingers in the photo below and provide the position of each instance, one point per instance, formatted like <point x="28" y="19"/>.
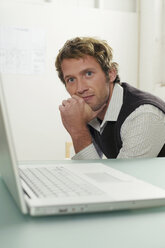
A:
<point x="61" y="108"/>
<point x="64" y="103"/>
<point x="67" y="104"/>
<point x="69" y="100"/>
<point x="77" y="98"/>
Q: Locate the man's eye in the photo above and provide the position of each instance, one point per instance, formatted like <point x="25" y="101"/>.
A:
<point x="70" y="80"/>
<point x="89" y="73"/>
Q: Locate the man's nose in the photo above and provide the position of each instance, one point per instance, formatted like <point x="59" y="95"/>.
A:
<point x="81" y="86"/>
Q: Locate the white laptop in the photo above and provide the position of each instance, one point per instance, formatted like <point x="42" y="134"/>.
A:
<point x="67" y="188"/>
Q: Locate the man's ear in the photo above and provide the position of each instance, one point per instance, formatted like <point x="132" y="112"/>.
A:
<point x="112" y="74"/>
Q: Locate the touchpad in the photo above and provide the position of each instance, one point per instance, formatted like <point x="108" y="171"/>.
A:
<point x="103" y="177"/>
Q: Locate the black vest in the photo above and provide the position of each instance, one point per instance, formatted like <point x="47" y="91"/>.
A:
<point x="110" y="141"/>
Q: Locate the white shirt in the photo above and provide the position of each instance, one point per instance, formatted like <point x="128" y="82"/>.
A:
<point x="142" y="133"/>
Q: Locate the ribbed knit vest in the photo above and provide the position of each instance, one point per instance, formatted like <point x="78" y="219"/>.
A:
<point x="110" y="141"/>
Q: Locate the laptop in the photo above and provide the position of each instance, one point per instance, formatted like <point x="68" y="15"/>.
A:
<point x="68" y="187"/>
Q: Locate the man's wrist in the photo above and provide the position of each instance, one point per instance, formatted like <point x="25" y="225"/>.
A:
<point x="88" y="152"/>
<point x="81" y="139"/>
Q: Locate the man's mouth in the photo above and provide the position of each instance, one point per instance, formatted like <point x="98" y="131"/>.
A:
<point x="87" y="98"/>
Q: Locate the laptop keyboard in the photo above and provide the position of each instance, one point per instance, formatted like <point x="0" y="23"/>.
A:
<point x="57" y="182"/>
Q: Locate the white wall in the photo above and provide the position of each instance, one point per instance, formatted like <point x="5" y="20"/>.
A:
<point x="33" y="99"/>
<point x="120" y="5"/>
<point x="117" y="5"/>
<point x="163" y="40"/>
<point x="151" y="47"/>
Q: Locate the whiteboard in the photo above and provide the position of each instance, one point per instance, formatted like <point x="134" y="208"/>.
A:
<point x="33" y="98"/>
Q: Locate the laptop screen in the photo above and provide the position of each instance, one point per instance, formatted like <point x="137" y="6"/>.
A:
<point x="8" y="165"/>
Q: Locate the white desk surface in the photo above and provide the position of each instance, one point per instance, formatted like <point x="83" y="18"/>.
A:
<point x="126" y="229"/>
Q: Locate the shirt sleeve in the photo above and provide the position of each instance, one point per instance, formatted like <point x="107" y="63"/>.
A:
<point x="88" y="152"/>
<point x="143" y="133"/>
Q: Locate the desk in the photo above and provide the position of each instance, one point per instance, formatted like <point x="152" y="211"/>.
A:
<point x="128" y="229"/>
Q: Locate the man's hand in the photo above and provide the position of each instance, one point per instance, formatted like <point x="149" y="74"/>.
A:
<point x="75" y="114"/>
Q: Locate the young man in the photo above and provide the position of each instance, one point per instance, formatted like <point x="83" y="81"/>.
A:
<point x="104" y="116"/>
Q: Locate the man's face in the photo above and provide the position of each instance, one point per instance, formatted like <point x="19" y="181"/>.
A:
<point x="85" y="78"/>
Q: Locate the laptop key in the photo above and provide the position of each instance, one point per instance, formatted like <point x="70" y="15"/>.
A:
<point x="57" y="182"/>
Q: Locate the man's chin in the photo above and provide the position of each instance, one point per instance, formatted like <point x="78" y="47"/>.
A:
<point x="94" y="108"/>
<point x="97" y="108"/>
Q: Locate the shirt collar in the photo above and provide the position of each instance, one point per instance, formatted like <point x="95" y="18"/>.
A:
<point x="113" y="109"/>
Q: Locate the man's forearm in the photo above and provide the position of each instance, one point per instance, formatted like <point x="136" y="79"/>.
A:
<point x="75" y="114"/>
<point x="81" y="139"/>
